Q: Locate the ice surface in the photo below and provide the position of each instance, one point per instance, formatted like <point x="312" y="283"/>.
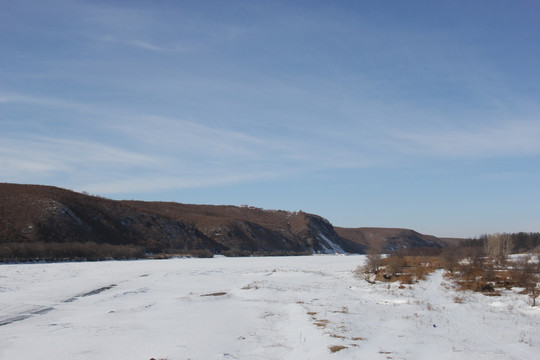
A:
<point x="251" y="308"/>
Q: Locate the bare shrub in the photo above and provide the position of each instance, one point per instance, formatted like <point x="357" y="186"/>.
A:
<point x="472" y="262"/>
<point x="487" y="275"/>
<point x="373" y="260"/>
<point x="395" y="264"/>
<point x="450" y="258"/>
<point x="406" y="269"/>
<point x="406" y="279"/>
<point x="525" y="274"/>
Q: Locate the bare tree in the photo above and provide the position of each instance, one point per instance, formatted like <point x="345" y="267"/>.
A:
<point x="498" y="246"/>
<point x="395" y="263"/>
<point x="373" y="260"/>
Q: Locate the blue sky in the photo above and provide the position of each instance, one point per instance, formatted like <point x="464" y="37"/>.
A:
<point x="416" y="114"/>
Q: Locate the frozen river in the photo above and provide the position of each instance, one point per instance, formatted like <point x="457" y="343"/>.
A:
<point x="310" y="307"/>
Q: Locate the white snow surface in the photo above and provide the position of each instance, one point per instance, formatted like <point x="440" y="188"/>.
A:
<point x="251" y="308"/>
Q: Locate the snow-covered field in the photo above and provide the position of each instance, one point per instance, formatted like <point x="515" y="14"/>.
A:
<point x="251" y="308"/>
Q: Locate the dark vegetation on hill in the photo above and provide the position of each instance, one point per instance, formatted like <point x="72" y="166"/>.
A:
<point x="49" y="223"/>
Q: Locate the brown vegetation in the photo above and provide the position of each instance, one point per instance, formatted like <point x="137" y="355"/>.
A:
<point x="336" y="348"/>
<point x="484" y="268"/>
<point x="405" y="266"/>
<point x="488" y="276"/>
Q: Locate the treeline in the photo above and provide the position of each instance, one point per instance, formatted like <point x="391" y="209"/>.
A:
<point x="70" y="251"/>
<point x="90" y="251"/>
<point x="521" y="242"/>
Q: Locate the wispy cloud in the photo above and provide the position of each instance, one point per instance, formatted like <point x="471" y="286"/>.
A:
<point x="185" y="180"/>
<point x="510" y="138"/>
<point x="163" y="152"/>
<point x="171" y="133"/>
<point x="150" y="45"/>
<point x="15" y="98"/>
<point x="154" y="152"/>
<point x="42" y="157"/>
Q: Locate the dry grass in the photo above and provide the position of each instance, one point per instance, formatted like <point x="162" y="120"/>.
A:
<point x="358" y="338"/>
<point x="321" y="323"/>
<point x="336" y="348"/>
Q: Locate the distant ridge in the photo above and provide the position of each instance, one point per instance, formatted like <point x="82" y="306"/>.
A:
<point x="37" y="217"/>
<point x="390" y="239"/>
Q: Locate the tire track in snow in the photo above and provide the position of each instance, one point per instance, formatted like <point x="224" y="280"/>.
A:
<point x="90" y="293"/>
<point x="40" y="310"/>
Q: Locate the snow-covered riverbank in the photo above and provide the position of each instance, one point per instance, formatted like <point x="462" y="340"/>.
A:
<point x="251" y="308"/>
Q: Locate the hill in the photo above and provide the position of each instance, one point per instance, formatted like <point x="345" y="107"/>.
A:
<point x="389" y="239"/>
<point x="45" y="221"/>
<point x="51" y="223"/>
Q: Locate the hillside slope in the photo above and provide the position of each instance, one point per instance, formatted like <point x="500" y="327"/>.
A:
<point x="43" y="214"/>
<point x="47" y="222"/>
<point x="389" y="239"/>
